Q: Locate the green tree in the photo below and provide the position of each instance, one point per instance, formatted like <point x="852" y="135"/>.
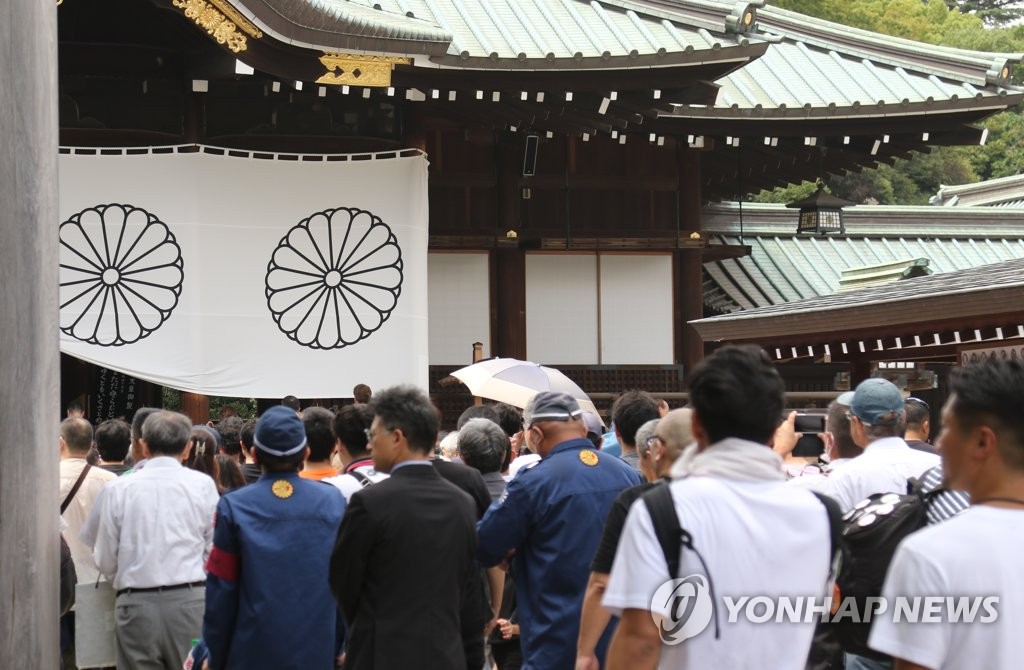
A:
<point x="992" y="12"/>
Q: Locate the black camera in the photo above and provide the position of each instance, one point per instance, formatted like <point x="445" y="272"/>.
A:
<point x="809" y="444"/>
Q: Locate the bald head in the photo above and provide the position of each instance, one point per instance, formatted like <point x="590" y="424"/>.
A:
<point x="77" y="436"/>
<point x="675" y="431"/>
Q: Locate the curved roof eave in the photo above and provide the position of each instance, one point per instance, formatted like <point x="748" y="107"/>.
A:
<point x="356" y="28"/>
<point x="974" y="67"/>
<point x="995" y="102"/>
<point x="740" y="53"/>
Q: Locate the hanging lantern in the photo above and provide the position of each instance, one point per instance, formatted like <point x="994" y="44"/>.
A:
<point x="820" y="214"/>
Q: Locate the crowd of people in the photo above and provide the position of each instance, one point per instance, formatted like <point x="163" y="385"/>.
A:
<point x="313" y="538"/>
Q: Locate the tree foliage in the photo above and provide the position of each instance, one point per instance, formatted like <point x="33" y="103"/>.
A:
<point x="992" y="12"/>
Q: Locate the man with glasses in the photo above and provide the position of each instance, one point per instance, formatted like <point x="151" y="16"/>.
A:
<point x="402" y="567"/>
<point x="877" y="419"/>
<point x="550" y="519"/>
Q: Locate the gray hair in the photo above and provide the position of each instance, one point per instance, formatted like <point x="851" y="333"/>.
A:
<point x="449" y="446"/>
<point x="482" y="444"/>
<point x="166" y="433"/>
<point x="644" y="433"/>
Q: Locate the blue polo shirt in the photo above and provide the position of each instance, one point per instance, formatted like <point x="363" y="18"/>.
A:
<point x="552" y="515"/>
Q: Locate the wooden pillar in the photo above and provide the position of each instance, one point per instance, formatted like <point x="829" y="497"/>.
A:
<point x="508" y="264"/>
<point x="508" y="303"/>
<point x="860" y="369"/>
<point x="688" y="296"/>
<point x="30" y="364"/>
<point x="196" y="407"/>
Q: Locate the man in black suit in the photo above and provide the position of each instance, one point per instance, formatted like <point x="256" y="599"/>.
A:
<point x="403" y="563"/>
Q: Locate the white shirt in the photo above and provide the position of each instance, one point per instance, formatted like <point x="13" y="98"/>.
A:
<point x="816" y="481"/>
<point x="977" y="553"/>
<point x="154" y="527"/>
<point x="78" y="510"/>
<point x="758" y="538"/>
<point x="348" y="484"/>
<point x="884" y="467"/>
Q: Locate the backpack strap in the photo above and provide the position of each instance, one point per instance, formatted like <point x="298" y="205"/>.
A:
<point x="74" y="489"/>
<point x="363" y="480"/>
<point x="666" y="525"/>
<point x="673" y="538"/>
<point x="835" y="531"/>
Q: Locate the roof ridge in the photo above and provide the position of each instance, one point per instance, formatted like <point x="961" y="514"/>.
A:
<point x="354" y="20"/>
<point x="976" y="67"/>
<point x="980" y="186"/>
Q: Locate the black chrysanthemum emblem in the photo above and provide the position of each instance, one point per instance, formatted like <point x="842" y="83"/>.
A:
<point x="121" y="274"/>
<point x="335" y="278"/>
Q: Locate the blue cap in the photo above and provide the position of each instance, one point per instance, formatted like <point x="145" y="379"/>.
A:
<point x="875" y="400"/>
<point x="279" y="432"/>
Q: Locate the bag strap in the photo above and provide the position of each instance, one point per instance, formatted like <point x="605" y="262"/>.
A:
<point x="835" y="531"/>
<point x="363" y="480"/>
<point x="673" y="538"/>
<point x="666" y="525"/>
<point x="74" y="489"/>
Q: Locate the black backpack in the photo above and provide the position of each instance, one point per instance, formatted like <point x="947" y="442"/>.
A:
<point x="871" y="532"/>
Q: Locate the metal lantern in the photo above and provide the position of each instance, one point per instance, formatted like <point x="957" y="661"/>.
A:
<point x="820" y="214"/>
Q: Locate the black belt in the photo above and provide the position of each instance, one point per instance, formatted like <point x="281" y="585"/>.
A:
<point x="151" y="589"/>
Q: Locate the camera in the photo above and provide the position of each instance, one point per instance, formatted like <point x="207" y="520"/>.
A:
<point x="809" y="425"/>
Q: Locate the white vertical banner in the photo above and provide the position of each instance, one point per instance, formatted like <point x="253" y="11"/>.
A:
<point x="246" y="277"/>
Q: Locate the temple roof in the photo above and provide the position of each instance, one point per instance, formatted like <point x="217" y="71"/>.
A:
<point x="510" y="34"/>
<point x="818" y="69"/>
<point x="784" y="267"/>
<point x="976" y="304"/>
<point x="1002" y="192"/>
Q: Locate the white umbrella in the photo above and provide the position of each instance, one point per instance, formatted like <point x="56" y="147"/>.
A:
<point x="515" y="382"/>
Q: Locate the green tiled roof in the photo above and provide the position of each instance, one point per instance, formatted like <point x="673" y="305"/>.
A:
<point x="784" y="267"/>
<point x="1002" y="192"/>
<point x="818" y="69"/>
<point x="512" y="34"/>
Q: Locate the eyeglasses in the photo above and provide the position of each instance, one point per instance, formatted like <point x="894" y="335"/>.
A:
<point x="920" y="402"/>
<point x="652" y="439"/>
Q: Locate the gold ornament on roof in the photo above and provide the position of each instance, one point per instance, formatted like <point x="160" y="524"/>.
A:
<point x="359" y="69"/>
<point x="222" y="21"/>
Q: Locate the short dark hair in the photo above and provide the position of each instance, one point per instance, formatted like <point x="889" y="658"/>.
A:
<point x="631" y="410"/>
<point x="362" y="393"/>
<point x="272" y="463"/>
<point x="476" y="412"/>
<point x="483" y="444"/>
<point x="990" y="393"/>
<point x="166" y="433"/>
<point x="229" y="429"/>
<point x="917" y="412"/>
<point x="141" y="414"/>
<point x="319" y="434"/>
<point x="75" y="406"/>
<point x="247" y="434"/>
<point x="509" y="418"/>
<point x="409" y="409"/>
<point x="837" y="422"/>
<point x="291" y="401"/>
<point x="77" y="434"/>
<point x="737" y="392"/>
<point x="350" y="426"/>
<point x="113" y="438"/>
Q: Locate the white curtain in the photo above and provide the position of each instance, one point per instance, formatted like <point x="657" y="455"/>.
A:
<point x="246" y="277"/>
